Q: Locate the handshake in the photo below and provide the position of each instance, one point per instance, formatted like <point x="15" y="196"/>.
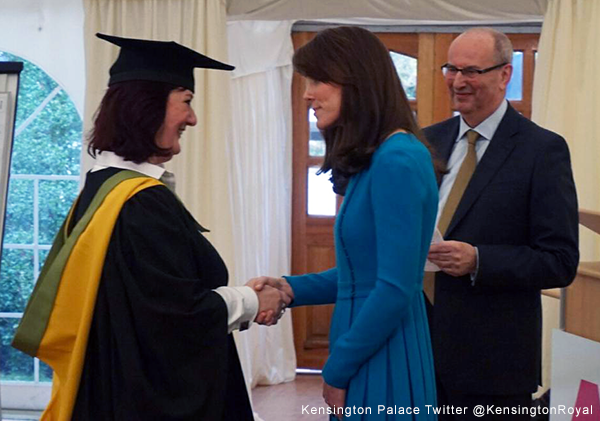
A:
<point x="274" y="295"/>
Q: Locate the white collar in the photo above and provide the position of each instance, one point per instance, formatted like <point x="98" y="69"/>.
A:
<point x="487" y="127"/>
<point x="105" y="159"/>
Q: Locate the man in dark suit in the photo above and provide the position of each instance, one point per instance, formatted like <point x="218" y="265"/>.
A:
<point x="508" y="214"/>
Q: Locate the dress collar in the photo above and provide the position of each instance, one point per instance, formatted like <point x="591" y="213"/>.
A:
<point x="105" y="159"/>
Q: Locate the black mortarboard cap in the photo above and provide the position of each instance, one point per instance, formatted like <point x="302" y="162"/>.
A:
<point x="161" y="61"/>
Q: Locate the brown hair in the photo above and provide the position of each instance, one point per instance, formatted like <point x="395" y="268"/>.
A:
<point x="374" y="103"/>
<point x="128" y="119"/>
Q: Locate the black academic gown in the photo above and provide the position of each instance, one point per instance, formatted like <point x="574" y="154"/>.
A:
<point x="158" y="346"/>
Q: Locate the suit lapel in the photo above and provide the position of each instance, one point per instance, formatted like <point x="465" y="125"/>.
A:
<point x="500" y="147"/>
<point x="446" y="147"/>
<point x="443" y="145"/>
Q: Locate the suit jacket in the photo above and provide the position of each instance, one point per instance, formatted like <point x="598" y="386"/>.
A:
<point x="520" y="211"/>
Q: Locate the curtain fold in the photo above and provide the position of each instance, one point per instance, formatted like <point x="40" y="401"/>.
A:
<point x="565" y="96"/>
<point x="565" y="100"/>
<point x="261" y="154"/>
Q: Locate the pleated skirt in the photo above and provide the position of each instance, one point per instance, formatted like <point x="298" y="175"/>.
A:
<point x="398" y="381"/>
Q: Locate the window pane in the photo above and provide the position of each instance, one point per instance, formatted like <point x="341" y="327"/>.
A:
<point x="316" y="144"/>
<point x="16" y="279"/>
<point x="321" y="198"/>
<point x="14" y="364"/>
<point x="51" y="144"/>
<point x="406" y="67"/>
<point x="316" y="148"/>
<point x="47" y="142"/>
<point x="56" y="197"/>
<point x="19" y="213"/>
<point x="45" y="372"/>
<point x="34" y="86"/>
<point x="43" y="254"/>
<point x="514" y="91"/>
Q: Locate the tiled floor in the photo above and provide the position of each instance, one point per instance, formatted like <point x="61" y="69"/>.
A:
<point x="292" y="401"/>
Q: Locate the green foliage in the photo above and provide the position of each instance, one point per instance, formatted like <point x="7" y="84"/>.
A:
<point x="18" y="228"/>
<point x="51" y="143"/>
<point x="14" y="364"/>
<point x="45" y="372"/>
<point x="47" y="142"/>
<point x="56" y="197"/>
<point x="17" y="279"/>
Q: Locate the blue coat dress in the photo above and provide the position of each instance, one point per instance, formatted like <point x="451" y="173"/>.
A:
<point x="380" y="349"/>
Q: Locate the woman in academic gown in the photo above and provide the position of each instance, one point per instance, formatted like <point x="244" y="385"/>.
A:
<point x="131" y="309"/>
<point x="380" y="365"/>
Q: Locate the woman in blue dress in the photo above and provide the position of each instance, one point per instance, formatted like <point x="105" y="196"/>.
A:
<point x="380" y="365"/>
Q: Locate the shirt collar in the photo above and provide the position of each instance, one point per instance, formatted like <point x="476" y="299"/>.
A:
<point x="105" y="159"/>
<point x="487" y="127"/>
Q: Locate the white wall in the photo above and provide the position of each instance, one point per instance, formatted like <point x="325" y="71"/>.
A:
<point x="49" y="33"/>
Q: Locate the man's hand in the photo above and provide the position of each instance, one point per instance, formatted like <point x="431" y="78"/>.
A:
<point x="454" y="257"/>
<point x="335" y="398"/>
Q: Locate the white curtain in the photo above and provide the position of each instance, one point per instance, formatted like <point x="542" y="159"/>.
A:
<point x="566" y="100"/>
<point x="261" y="157"/>
<point x="566" y="96"/>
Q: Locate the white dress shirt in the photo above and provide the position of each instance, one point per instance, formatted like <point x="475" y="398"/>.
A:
<point x="241" y="301"/>
<point x="486" y="130"/>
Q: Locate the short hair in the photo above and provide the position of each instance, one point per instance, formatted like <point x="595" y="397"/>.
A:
<point x="374" y="103"/>
<point x="503" y="49"/>
<point x="128" y="119"/>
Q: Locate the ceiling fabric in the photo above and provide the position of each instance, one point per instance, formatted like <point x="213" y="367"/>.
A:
<point x="406" y="11"/>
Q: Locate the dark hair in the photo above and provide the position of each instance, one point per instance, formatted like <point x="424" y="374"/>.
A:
<point x="374" y="103"/>
<point x="128" y="119"/>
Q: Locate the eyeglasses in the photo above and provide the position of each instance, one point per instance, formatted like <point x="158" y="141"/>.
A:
<point x="469" y="72"/>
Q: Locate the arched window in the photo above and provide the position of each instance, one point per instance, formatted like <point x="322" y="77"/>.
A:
<point x="44" y="181"/>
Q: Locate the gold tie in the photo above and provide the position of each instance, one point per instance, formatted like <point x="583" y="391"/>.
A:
<point x="463" y="177"/>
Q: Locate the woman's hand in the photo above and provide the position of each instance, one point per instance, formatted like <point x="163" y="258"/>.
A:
<point x="335" y="398"/>
<point x="263" y="284"/>
<point x="279" y="283"/>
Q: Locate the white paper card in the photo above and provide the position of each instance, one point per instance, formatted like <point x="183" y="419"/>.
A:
<point x="437" y="238"/>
